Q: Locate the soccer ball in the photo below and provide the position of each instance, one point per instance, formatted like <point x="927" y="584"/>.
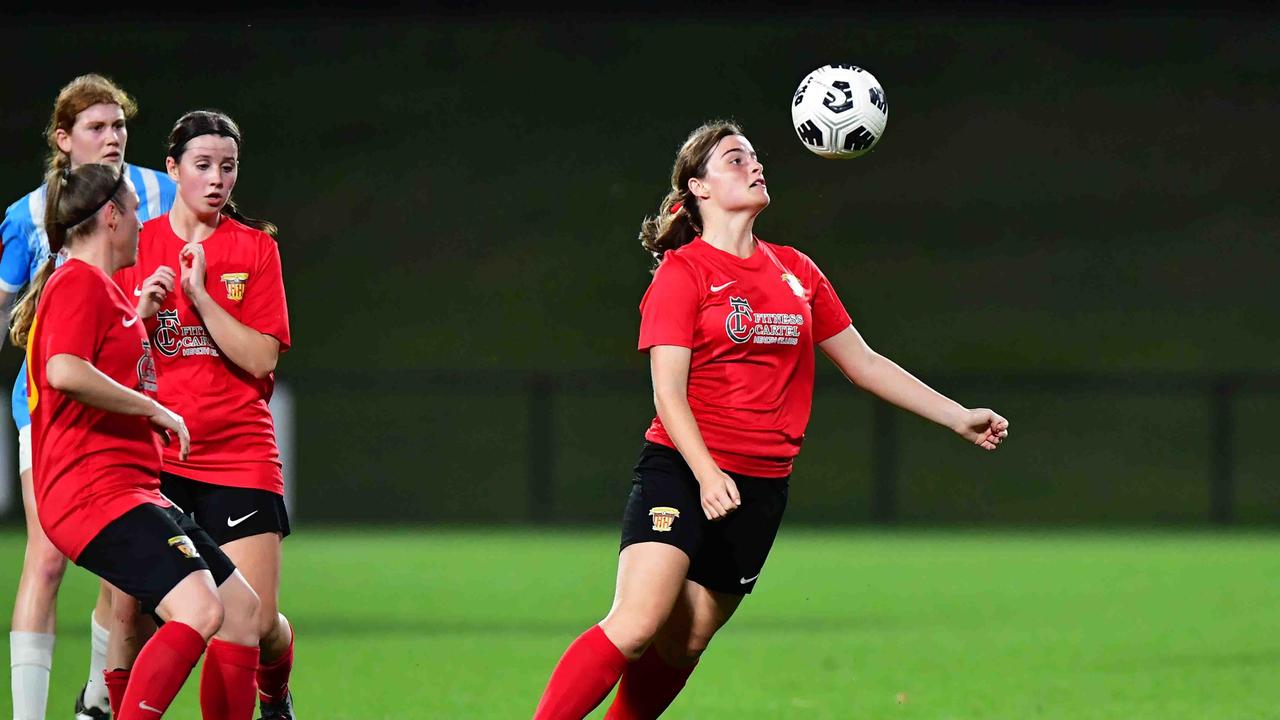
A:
<point x="839" y="111"/>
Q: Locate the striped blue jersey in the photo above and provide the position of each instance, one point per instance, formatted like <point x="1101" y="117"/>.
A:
<point x="26" y="246"/>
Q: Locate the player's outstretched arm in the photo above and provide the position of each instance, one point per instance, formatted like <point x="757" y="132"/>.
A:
<point x="885" y="379"/>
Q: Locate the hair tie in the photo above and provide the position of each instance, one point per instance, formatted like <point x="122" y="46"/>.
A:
<point x="676" y="207"/>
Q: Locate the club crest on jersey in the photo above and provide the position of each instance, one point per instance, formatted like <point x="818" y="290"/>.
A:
<point x="663" y="518"/>
<point x="184" y="546"/>
<point x="738" y="325"/>
<point x="168" y="332"/>
<point x="235" y="285"/>
<point x="793" y="282"/>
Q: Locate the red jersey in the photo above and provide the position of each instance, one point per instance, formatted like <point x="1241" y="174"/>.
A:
<point x="751" y="325"/>
<point x="233" y="440"/>
<point x="90" y="466"/>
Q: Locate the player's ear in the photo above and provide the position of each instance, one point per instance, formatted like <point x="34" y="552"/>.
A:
<point x="699" y="188"/>
<point x="171" y="166"/>
<point x="63" y="140"/>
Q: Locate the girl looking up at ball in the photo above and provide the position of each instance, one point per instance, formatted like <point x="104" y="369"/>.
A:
<point x="730" y="323"/>
<point x="216" y="338"/>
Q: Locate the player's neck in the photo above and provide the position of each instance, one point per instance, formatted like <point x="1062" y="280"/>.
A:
<point x="732" y="234"/>
<point x="189" y="226"/>
<point x="95" y="251"/>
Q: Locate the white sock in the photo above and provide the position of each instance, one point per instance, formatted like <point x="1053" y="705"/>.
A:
<point x="30" y="659"/>
<point x="95" y="691"/>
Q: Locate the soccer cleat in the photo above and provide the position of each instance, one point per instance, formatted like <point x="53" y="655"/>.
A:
<point x="282" y="710"/>
<point x="89" y="713"/>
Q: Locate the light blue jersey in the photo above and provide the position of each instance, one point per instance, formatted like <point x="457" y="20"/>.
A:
<point x="26" y="247"/>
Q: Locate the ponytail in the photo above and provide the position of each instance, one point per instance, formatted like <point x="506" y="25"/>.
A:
<point x="678" y="220"/>
<point x="71" y="204"/>
<point x="233" y="212"/>
<point x="24" y="312"/>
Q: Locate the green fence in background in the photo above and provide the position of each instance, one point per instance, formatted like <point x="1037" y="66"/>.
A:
<point x="1084" y="449"/>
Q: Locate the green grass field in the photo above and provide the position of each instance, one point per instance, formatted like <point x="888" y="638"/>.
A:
<point x="430" y="623"/>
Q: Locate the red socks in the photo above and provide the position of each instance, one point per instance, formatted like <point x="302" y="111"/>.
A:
<point x="117" y="681"/>
<point x="648" y="687"/>
<point x="584" y="676"/>
<point x="227" y="684"/>
<point x="161" y="668"/>
<point x="273" y="677"/>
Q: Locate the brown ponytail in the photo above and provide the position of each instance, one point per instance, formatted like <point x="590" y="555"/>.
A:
<point x="71" y="205"/>
<point x="678" y="220"/>
<point x="213" y="122"/>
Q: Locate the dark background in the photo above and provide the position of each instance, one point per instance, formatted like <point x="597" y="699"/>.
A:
<point x="1071" y="218"/>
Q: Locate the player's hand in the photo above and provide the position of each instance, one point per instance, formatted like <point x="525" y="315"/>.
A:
<point x="166" y="421"/>
<point x="155" y="289"/>
<point x="191" y="261"/>
<point x="719" y="494"/>
<point x="983" y="427"/>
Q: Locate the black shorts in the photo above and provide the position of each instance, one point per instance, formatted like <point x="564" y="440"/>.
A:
<point x="227" y="513"/>
<point x="149" y="550"/>
<point x="665" y="506"/>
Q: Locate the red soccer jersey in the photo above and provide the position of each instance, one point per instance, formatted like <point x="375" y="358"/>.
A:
<point x="751" y="325"/>
<point x="233" y="440"/>
<point x="90" y="466"/>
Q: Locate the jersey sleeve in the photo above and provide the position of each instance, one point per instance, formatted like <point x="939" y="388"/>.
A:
<point x="15" y="263"/>
<point x="265" y="308"/>
<point x="829" y="314"/>
<point x="669" y="310"/>
<point x="71" y="317"/>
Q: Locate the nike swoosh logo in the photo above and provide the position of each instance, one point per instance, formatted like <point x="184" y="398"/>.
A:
<point x="233" y="523"/>
<point x="148" y="708"/>
<point x="744" y="581"/>
<point x="129" y="323"/>
<point x="137" y="291"/>
<point x="718" y="288"/>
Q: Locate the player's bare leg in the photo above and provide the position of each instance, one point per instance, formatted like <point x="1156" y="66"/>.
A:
<point x="259" y="558"/>
<point x="34" y="615"/>
<point x="651" y="577"/>
<point x="652" y="682"/>
<point x="193" y="614"/>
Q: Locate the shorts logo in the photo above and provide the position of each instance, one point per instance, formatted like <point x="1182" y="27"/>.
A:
<point x="235" y="285"/>
<point x="184" y="546"/>
<point x="663" y="518"/>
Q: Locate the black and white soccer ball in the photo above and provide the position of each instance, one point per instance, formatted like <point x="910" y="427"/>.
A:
<point x="839" y="111"/>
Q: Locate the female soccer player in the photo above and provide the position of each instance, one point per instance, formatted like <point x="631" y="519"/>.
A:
<point x="88" y="125"/>
<point x="96" y="452"/>
<point x="217" y="338"/>
<point x="730" y="323"/>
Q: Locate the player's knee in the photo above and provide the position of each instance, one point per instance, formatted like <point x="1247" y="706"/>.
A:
<point x="683" y="650"/>
<point x="269" y="621"/>
<point x="631" y="635"/>
<point x="47" y="565"/>
<point x="205" y="615"/>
